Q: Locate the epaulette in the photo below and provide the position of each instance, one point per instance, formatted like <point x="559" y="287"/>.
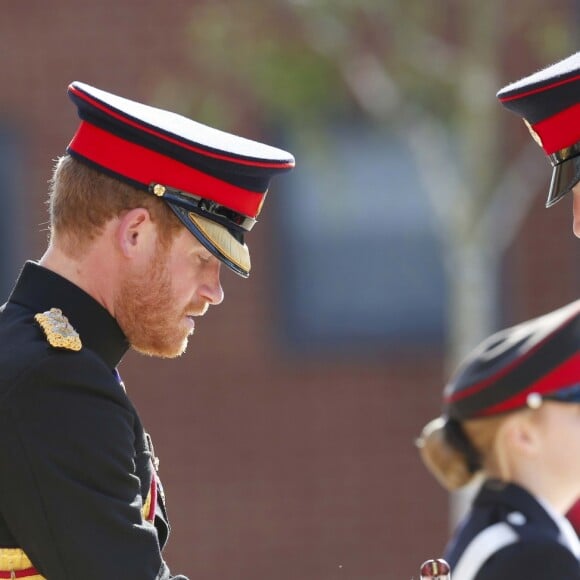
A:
<point x="58" y="330"/>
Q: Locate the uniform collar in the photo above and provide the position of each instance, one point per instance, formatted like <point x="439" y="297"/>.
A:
<point x="568" y="535"/>
<point x="510" y="497"/>
<point x="40" y="289"/>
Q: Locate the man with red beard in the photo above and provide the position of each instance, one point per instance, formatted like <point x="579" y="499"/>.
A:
<point x="145" y="208"/>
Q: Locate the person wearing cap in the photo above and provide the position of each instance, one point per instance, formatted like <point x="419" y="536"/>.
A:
<point x="511" y="420"/>
<point x="145" y="208"/>
<point x="549" y="103"/>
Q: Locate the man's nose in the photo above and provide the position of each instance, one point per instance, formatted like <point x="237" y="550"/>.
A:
<point x="212" y="290"/>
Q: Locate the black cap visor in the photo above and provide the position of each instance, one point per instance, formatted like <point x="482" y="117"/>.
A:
<point x="565" y="175"/>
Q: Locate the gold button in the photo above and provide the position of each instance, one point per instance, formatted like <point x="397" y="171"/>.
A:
<point x="159" y="190"/>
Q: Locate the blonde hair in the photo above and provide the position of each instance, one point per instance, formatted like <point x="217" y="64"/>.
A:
<point x="450" y="466"/>
<point x="82" y="200"/>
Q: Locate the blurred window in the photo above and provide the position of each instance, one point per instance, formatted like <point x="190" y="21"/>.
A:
<point x="360" y="262"/>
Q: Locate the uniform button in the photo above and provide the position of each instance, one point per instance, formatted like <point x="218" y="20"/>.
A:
<point x="516" y="518"/>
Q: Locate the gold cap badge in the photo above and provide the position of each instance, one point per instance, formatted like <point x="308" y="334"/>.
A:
<point x="59" y="333"/>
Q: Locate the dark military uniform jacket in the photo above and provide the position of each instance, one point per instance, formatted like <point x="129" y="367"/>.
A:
<point x="79" y="496"/>
<point x="509" y="534"/>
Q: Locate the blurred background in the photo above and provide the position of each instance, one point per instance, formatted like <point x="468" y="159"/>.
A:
<point x="413" y="226"/>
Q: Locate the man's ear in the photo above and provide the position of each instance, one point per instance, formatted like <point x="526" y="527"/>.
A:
<point x="135" y="232"/>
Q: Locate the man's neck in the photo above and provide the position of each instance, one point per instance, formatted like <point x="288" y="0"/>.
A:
<point x="92" y="272"/>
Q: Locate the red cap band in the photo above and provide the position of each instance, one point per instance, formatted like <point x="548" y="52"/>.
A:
<point x="561" y="377"/>
<point x="559" y="131"/>
<point x="145" y="166"/>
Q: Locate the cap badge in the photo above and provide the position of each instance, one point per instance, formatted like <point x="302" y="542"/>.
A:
<point x="59" y="332"/>
<point x="533" y="133"/>
<point x="159" y="190"/>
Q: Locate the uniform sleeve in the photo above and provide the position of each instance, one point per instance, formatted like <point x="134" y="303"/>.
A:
<point x="69" y="491"/>
<point x="540" y="560"/>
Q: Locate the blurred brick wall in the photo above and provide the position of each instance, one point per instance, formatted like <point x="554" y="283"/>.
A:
<point x="273" y="466"/>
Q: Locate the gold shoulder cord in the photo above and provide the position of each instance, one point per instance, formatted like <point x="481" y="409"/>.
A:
<point x="59" y="332"/>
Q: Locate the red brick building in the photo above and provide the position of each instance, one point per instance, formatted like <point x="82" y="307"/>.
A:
<point x="275" y="465"/>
